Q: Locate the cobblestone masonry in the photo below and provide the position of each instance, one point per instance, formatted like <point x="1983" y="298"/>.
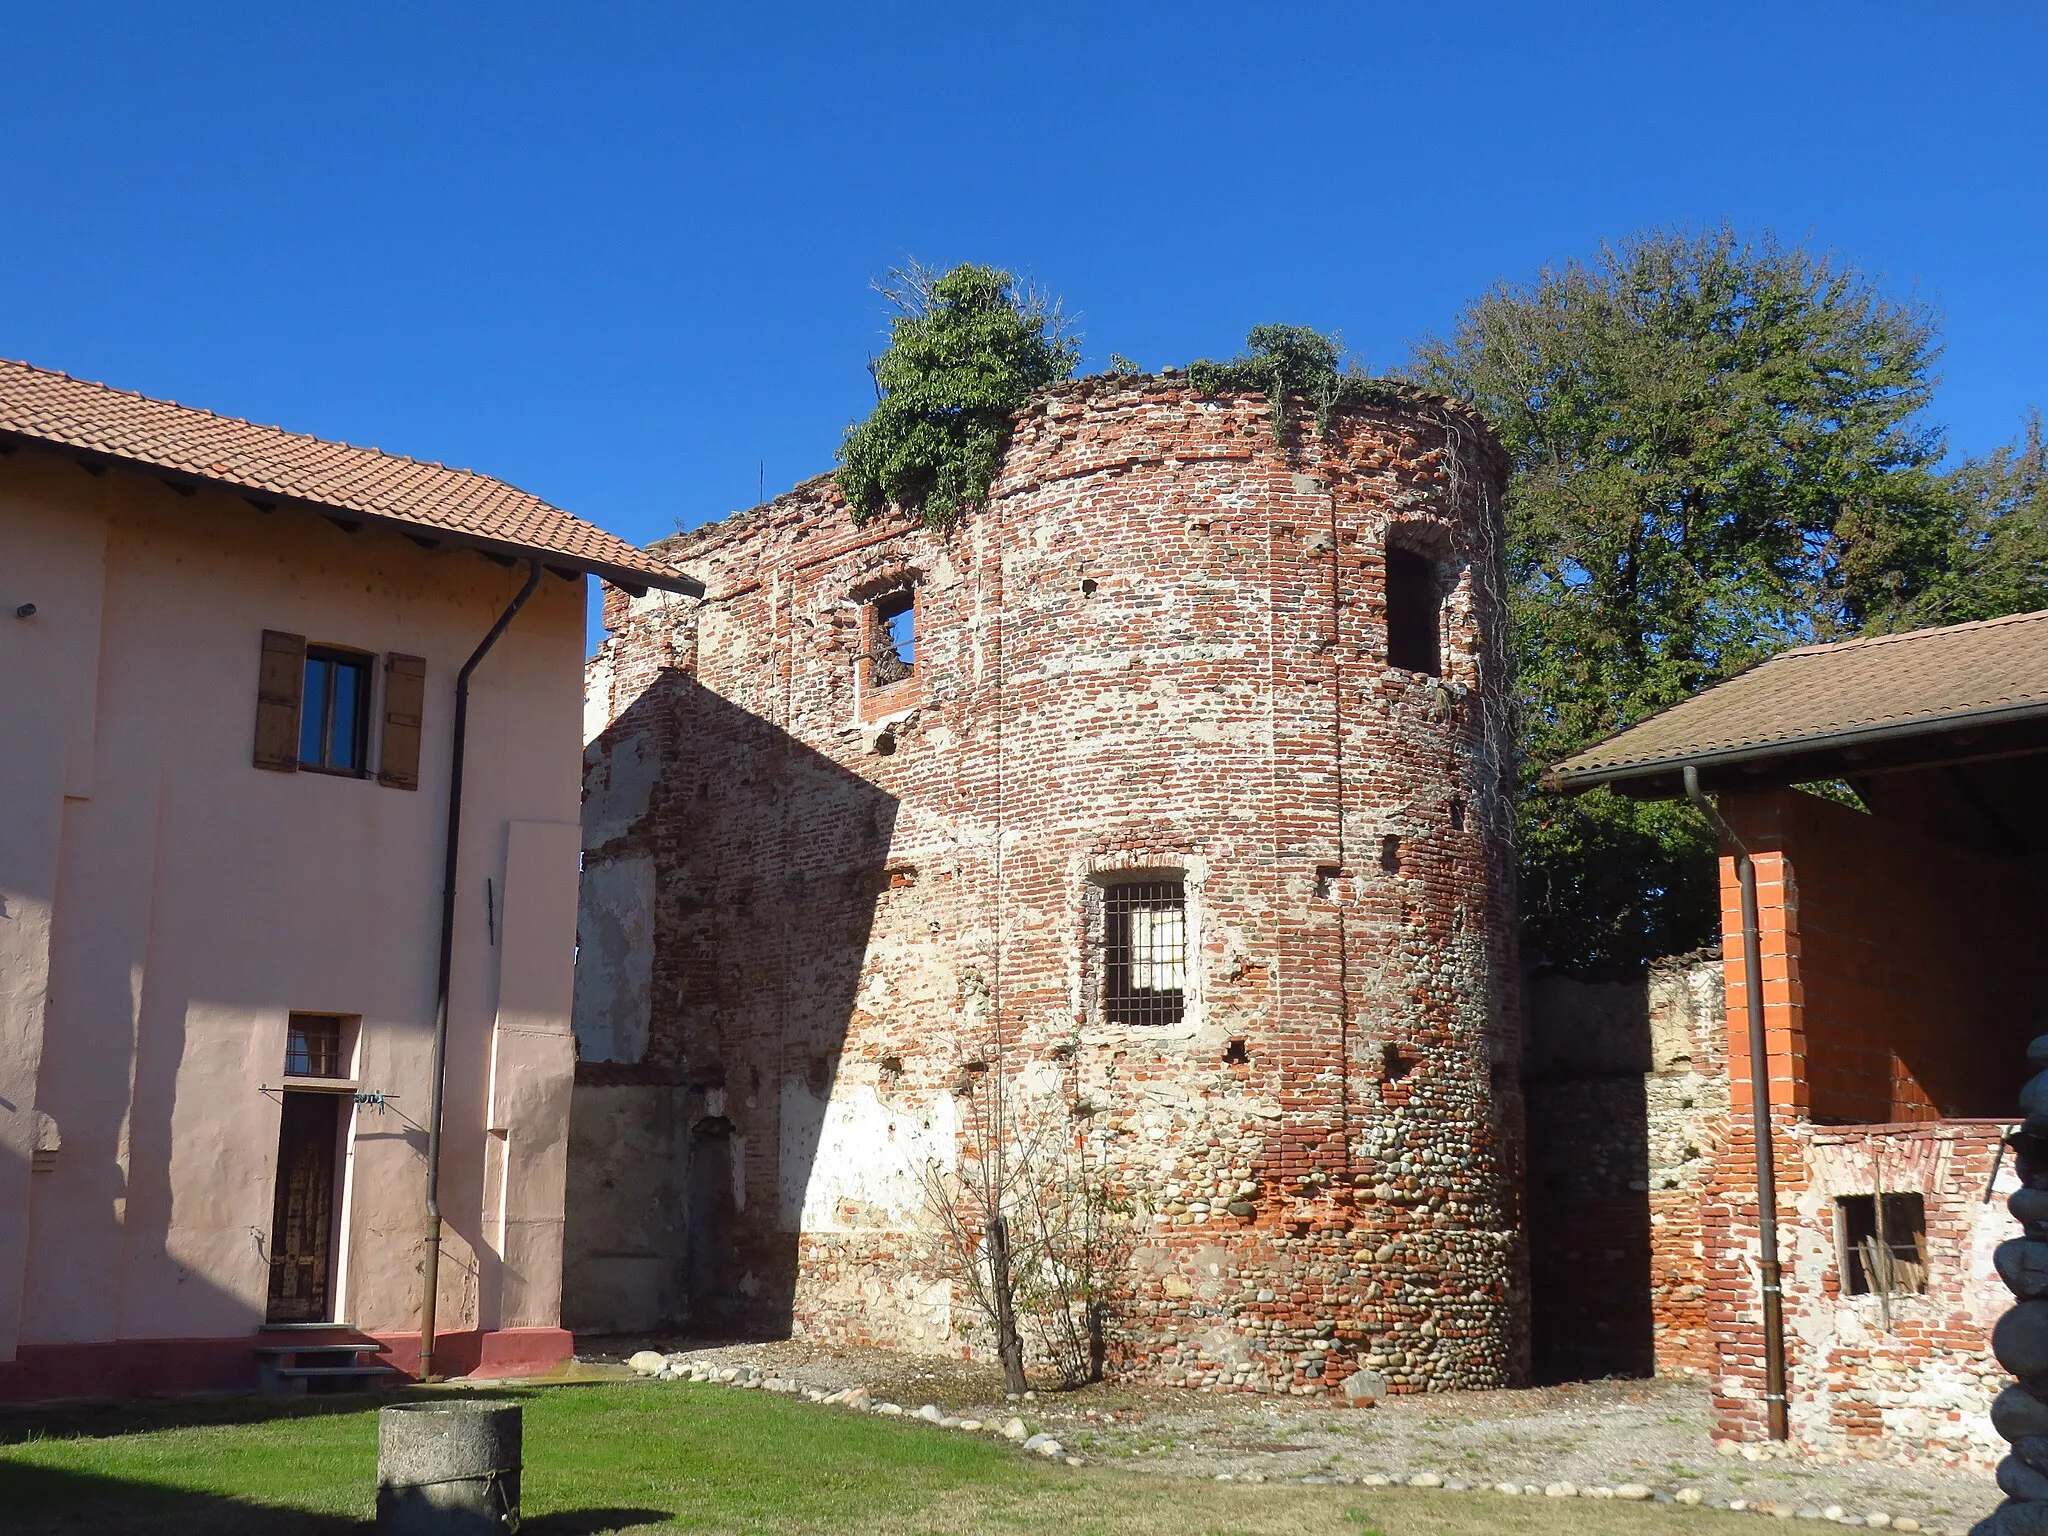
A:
<point x="812" y="905"/>
<point x="1627" y="1088"/>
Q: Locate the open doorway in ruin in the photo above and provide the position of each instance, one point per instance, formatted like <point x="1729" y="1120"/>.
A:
<point x="709" y="1212"/>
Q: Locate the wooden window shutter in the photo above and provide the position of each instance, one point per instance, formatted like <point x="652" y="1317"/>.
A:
<point x="405" y="702"/>
<point x="279" y="685"/>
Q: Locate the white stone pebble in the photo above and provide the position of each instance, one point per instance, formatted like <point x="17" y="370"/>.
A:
<point x="1634" y="1492"/>
<point x="1562" y="1490"/>
<point x="1425" y="1480"/>
<point x="1687" y="1496"/>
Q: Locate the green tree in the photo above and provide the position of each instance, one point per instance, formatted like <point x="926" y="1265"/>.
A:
<point x="966" y="349"/>
<point x="1999" y="561"/>
<point x="1717" y="451"/>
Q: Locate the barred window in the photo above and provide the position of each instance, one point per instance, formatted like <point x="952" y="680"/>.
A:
<point x="1144" y="952"/>
<point x="1883" y="1247"/>
<point x="313" y="1046"/>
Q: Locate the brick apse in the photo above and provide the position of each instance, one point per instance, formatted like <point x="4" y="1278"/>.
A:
<point x="1171" y="784"/>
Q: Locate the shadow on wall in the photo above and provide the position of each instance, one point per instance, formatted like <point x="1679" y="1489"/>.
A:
<point x="730" y="880"/>
<point x="1590" y="1260"/>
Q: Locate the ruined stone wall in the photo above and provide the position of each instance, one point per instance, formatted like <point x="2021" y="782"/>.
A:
<point x="1161" y="646"/>
<point x="1914" y="1378"/>
<point x="1627" y="1093"/>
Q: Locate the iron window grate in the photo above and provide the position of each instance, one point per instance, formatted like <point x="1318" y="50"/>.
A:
<point x="1145" y="952"/>
<point x="312" y="1046"/>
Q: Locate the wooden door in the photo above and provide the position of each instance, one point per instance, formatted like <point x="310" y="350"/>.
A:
<point x="302" y="1218"/>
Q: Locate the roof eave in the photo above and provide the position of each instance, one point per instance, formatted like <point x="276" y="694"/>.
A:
<point x="635" y="582"/>
<point x="1640" y="777"/>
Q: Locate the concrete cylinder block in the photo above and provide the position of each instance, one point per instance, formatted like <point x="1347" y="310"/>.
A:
<point x="448" y="1468"/>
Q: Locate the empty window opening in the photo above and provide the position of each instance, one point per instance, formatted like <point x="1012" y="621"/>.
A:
<point x="1414" y="612"/>
<point x="335" y="716"/>
<point x="314" y="1046"/>
<point x="1390" y="854"/>
<point x="1393" y="1065"/>
<point x="1887" y="1258"/>
<point x="892" y="639"/>
<point x="1145" y="952"/>
<point x="1457" y="815"/>
<point x="1235" y="1055"/>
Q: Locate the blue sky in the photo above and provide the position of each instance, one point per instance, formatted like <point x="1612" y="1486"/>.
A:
<point x="620" y="255"/>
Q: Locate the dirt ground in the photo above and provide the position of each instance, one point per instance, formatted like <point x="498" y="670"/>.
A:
<point x="1610" y="1433"/>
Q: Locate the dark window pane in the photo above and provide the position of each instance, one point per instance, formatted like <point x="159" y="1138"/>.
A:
<point x="344" y="741"/>
<point x="313" y="711"/>
<point x="313" y="1046"/>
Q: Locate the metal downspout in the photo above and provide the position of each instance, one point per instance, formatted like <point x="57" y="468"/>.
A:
<point x="430" y="1270"/>
<point x="1759" y="1114"/>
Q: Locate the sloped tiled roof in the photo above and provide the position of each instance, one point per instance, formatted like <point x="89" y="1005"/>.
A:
<point x="1820" y="695"/>
<point x="458" y="504"/>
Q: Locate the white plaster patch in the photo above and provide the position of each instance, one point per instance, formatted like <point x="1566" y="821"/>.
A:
<point x="614" y="959"/>
<point x="856" y="1163"/>
<point x="616" y="798"/>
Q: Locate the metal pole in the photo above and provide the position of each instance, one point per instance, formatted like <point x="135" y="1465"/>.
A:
<point x="430" y="1268"/>
<point x="1770" y="1272"/>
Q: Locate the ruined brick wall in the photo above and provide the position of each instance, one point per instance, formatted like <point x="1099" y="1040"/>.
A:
<point x="1627" y="1093"/>
<point x="1863" y="924"/>
<point x="1161" y="646"/>
<point x="1914" y="1379"/>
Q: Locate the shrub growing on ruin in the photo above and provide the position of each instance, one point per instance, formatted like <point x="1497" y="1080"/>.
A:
<point x="966" y="349"/>
<point x="1283" y="360"/>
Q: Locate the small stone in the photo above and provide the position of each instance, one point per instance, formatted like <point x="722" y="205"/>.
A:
<point x="1425" y="1480"/>
<point x="1561" y="1490"/>
<point x="1738" y="1504"/>
<point x="1073" y="1461"/>
<point x="1634" y="1492"/>
<point x="1833" y="1512"/>
<point x="1376" y="1480"/>
<point x="1512" y="1490"/>
<point x="1030" y="1397"/>
<point x="1850" y="1520"/>
<point x="1013" y="1429"/>
<point x="1599" y="1492"/>
<point x="1728" y="1447"/>
<point x="890" y="1410"/>
<point x="1687" y="1496"/>
<point x="858" y="1398"/>
<point x="949" y="1422"/>
<point x="1806" y="1512"/>
<point x="1752" y="1452"/>
<point x="932" y="1413"/>
<point x="1877" y="1519"/>
<point x="972" y="1426"/>
<point x="1451" y="1485"/>
<point x="645" y="1362"/>
<point x="1905" y="1523"/>
<point x="1052" y="1448"/>
<point x="1365" y="1387"/>
<point x="728" y="1376"/>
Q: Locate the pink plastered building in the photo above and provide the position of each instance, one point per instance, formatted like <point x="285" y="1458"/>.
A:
<point x="228" y="666"/>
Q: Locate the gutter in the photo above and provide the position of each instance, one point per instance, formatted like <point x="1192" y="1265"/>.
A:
<point x="1769" y="1271"/>
<point x="430" y="1269"/>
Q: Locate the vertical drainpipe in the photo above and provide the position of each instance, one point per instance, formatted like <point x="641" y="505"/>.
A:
<point x="430" y="1270"/>
<point x="1759" y="1114"/>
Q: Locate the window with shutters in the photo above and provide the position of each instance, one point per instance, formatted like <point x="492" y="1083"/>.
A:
<point x="334" y="711"/>
<point x="314" y="711"/>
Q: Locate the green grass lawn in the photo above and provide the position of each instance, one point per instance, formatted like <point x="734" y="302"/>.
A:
<point x="675" y="1457"/>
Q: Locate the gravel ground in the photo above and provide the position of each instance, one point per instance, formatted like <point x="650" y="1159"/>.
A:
<point x="1653" y="1433"/>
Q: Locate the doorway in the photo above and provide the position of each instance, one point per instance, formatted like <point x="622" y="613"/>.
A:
<point x="302" y="1216"/>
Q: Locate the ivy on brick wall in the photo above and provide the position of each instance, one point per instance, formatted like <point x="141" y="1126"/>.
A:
<point x="966" y="349"/>
<point x="1283" y="360"/>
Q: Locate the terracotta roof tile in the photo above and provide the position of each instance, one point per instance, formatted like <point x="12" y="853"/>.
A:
<point x="56" y="409"/>
<point x="1885" y="684"/>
